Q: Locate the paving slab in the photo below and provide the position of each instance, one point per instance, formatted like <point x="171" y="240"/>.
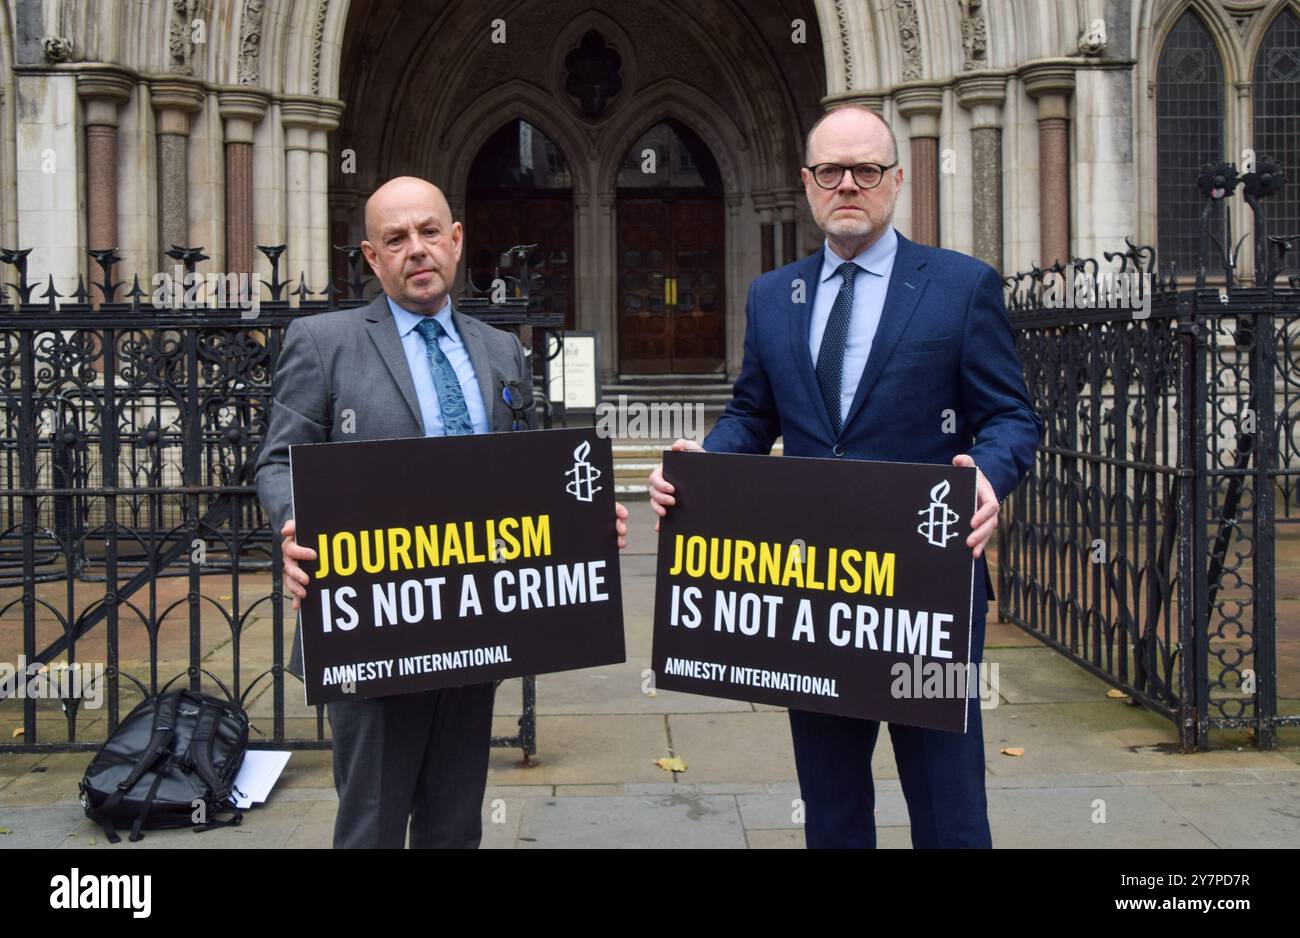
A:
<point x="1242" y="818"/>
<point x="1040" y="675"/>
<point x="1064" y="817"/>
<point x="720" y="747"/>
<point x="583" y="750"/>
<point x="678" y="821"/>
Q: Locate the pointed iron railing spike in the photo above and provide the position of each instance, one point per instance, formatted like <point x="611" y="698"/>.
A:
<point x="81" y="294"/>
<point x="135" y="293"/>
<point x="51" y="295"/>
<point x="301" y="292"/>
<point x="330" y="293"/>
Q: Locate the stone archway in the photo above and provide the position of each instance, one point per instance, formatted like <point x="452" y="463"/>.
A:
<point x="422" y="97"/>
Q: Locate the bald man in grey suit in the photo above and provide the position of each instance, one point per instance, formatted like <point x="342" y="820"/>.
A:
<point x="405" y="365"/>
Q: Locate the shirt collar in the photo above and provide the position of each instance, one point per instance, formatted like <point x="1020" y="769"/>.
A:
<point x="875" y="259"/>
<point x="407" y="320"/>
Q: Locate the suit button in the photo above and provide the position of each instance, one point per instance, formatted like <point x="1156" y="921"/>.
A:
<point x="838" y="450"/>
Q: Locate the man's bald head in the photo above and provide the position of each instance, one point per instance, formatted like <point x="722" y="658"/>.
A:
<point x="860" y="120"/>
<point x="403" y="190"/>
<point x="412" y="244"/>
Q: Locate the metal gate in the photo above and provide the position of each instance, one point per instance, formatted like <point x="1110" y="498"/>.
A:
<point x="133" y="550"/>
<point x="1142" y="542"/>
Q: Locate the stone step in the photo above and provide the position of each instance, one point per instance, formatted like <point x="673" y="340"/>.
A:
<point x="669" y="379"/>
<point x="634" y="461"/>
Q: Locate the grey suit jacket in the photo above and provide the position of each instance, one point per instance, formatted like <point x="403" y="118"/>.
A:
<point x="347" y="369"/>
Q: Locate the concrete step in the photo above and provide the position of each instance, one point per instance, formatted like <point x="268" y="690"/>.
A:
<point x="635" y="460"/>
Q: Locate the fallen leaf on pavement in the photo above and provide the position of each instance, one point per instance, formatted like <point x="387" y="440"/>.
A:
<point x="16" y="733"/>
<point x="1114" y="694"/>
<point x="672" y="764"/>
<point x="1013" y="751"/>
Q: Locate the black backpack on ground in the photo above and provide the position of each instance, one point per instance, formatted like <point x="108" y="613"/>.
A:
<point x="169" y="753"/>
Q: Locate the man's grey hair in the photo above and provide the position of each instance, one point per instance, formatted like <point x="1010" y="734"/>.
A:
<point x="893" y="140"/>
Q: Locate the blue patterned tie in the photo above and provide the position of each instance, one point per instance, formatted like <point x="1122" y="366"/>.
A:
<point x="830" y="357"/>
<point x="451" y="399"/>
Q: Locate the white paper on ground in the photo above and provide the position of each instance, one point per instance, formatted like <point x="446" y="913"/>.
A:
<point x="257" y="776"/>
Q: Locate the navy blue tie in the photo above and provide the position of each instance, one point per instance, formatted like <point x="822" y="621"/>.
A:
<point x="830" y="357"/>
<point x="451" y="399"/>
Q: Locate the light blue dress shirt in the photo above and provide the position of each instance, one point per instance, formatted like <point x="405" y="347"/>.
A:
<point x="869" y="287"/>
<point x="417" y="357"/>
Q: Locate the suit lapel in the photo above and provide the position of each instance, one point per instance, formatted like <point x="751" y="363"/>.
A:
<point x="478" y="357"/>
<point x="800" y="319"/>
<point x="907" y="282"/>
<point x="382" y="329"/>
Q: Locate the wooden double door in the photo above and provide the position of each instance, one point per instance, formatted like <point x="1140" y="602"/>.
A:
<point x="671" y="278"/>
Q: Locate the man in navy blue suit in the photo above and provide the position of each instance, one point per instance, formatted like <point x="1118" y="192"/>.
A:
<point x="879" y="348"/>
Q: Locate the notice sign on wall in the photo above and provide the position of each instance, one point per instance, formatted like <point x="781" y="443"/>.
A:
<point x="839" y="586"/>
<point x="444" y="561"/>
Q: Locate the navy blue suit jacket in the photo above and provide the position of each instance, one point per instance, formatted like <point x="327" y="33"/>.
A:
<point x="944" y="343"/>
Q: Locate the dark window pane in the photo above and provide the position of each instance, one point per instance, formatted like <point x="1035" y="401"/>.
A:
<point x="681" y="160"/>
<point x="519" y="156"/>
<point x="1277" y="117"/>
<point x="1189" y="133"/>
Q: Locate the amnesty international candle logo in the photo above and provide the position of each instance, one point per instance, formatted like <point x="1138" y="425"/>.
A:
<point x="583" y="475"/>
<point x="818" y="599"/>
<point x="444" y="561"/>
<point x="938" y="517"/>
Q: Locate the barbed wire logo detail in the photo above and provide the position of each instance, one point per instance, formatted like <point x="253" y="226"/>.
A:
<point x="938" y="516"/>
<point x="583" y="475"/>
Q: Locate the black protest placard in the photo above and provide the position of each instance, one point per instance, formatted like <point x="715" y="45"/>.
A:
<point x="444" y="561"/>
<point x="839" y="586"/>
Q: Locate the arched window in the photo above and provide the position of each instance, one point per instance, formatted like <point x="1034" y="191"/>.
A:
<point x="520" y="192"/>
<point x="1277" y="116"/>
<point x="670" y="156"/>
<point x="1189" y="133"/>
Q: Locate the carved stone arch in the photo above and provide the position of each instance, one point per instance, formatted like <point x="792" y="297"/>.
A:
<point x="906" y="37"/>
<point x="882" y="21"/>
<point x="615" y="36"/>
<point x="675" y="99"/>
<point x="467" y="134"/>
<point x="294" y="43"/>
<point x="1221" y="29"/>
<point x="250" y="51"/>
<point x="1002" y="50"/>
<point x="448" y="28"/>
<point x="1256" y="32"/>
<point x="941" y="38"/>
<point x="1043" y="30"/>
<point x="848" y="52"/>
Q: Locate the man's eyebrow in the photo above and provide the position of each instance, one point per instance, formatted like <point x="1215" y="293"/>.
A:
<point x="395" y="228"/>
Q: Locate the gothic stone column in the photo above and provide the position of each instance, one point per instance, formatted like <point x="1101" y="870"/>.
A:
<point x="174" y="100"/>
<point x="922" y="105"/>
<point x="240" y="111"/>
<point x="101" y="93"/>
<point x="1050" y="84"/>
<point x="983" y="95"/>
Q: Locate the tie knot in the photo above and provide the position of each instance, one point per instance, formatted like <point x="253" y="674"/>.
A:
<point x="429" y="328"/>
<point x="848" y="270"/>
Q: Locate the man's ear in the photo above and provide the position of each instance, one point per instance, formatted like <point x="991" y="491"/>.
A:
<point x="457" y="238"/>
<point x="368" y="252"/>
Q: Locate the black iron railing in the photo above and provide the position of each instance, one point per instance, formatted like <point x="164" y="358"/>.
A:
<point x="1142" y="543"/>
<point x="129" y="523"/>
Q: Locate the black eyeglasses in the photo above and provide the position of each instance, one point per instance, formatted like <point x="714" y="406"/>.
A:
<point x="866" y="175"/>
<point x="514" y="399"/>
